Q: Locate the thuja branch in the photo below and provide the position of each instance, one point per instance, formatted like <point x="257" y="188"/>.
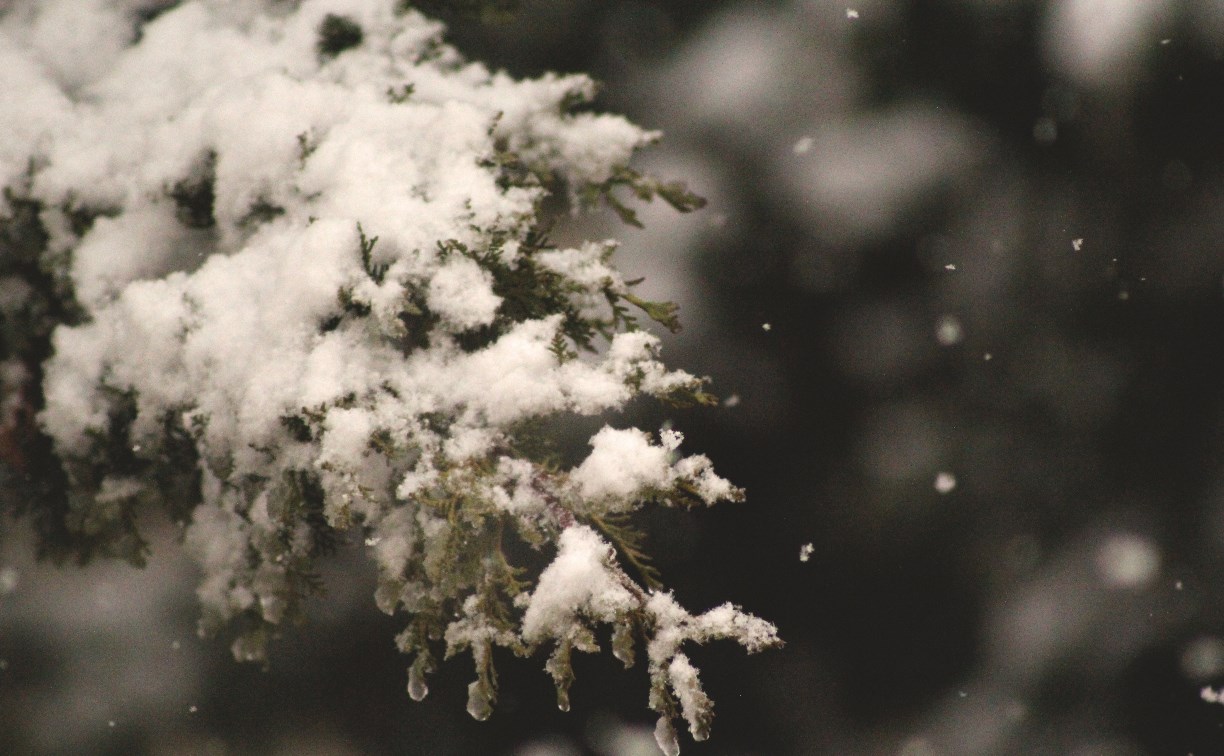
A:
<point x="316" y="295"/>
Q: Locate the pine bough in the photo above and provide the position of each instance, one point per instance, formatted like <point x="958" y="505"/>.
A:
<point x="282" y="269"/>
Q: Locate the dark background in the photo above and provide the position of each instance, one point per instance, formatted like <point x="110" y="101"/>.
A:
<point x="986" y="239"/>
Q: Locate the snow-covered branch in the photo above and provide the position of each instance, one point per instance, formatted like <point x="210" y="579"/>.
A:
<point x="283" y="269"/>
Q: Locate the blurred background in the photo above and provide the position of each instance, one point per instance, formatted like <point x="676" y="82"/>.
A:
<point x="959" y="285"/>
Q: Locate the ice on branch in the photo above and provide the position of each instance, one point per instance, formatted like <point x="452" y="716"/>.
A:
<point x="284" y="270"/>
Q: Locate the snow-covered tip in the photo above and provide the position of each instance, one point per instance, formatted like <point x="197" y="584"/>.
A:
<point x="729" y="621"/>
<point x="695" y="705"/>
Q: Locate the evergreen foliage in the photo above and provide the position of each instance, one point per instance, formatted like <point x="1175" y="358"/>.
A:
<point x="284" y="360"/>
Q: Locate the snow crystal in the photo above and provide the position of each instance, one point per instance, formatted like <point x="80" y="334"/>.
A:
<point x="803" y="146"/>
<point x="1077" y="244"/>
<point x="805" y="552"/>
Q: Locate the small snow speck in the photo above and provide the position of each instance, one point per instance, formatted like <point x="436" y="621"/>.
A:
<point x="732" y="401"/>
<point x="3" y="664"/>
<point x="950" y="266"/>
<point x="372" y="541"/>
<point x="945" y="482"/>
<point x="193" y="709"/>
<point x="1212" y="696"/>
<point x="1123" y="295"/>
<point x="851" y="13"/>
<point x="805" y="552"/>
<point x="1077" y="244"/>
<point x="1165" y="41"/>
<point x="803" y="146"/>
<point x="988" y="357"/>
<point x="949" y="331"/>
<point x="1178" y="586"/>
<point x="766" y="327"/>
<point x="111" y="723"/>
<point x="175" y="645"/>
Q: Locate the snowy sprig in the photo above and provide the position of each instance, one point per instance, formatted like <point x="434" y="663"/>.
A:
<point x="285" y="271"/>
